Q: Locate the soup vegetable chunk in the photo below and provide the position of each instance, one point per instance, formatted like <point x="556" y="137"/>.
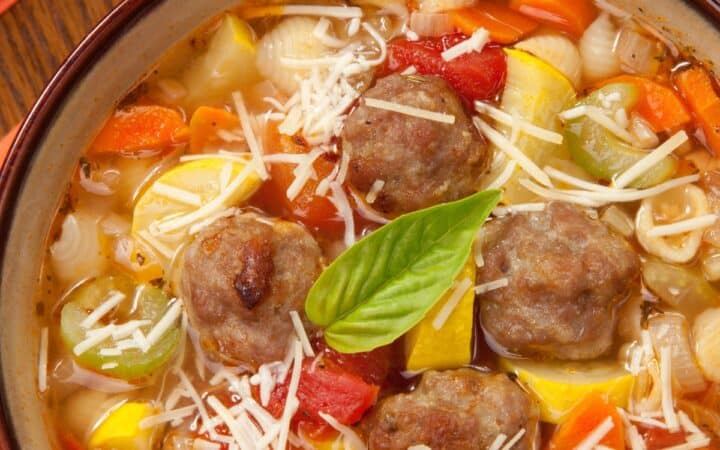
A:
<point x="379" y="224"/>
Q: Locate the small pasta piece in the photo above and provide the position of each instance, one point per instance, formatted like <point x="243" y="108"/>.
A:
<point x="710" y="262"/>
<point x="78" y="253"/>
<point x="596" y="49"/>
<point x="706" y="334"/>
<point x="672" y="206"/>
<point x="292" y="38"/>
<point x="558" y="51"/>
<point x="671" y="330"/>
<point x="443" y="5"/>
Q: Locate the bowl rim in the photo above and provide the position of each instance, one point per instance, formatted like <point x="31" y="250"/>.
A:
<point x="66" y="77"/>
<point x="31" y="132"/>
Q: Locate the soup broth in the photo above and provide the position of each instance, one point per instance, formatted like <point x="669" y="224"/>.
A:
<point x="441" y="224"/>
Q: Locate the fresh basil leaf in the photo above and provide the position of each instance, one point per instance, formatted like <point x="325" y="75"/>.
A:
<point x="385" y="284"/>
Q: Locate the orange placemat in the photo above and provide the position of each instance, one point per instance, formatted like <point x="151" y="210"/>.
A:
<point x="6" y="141"/>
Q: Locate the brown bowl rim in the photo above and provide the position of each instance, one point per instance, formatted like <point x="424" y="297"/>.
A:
<point x="31" y="132"/>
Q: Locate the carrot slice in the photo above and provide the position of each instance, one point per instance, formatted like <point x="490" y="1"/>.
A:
<point x="573" y="17"/>
<point x="140" y="130"/>
<point x="205" y="124"/>
<point x="658" y="104"/>
<point x="696" y="87"/>
<point x="504" y="25"/>
<point x="585" y="418"/>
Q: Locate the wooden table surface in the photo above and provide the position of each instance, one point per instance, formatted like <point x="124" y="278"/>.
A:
<point x="35" y="37"/>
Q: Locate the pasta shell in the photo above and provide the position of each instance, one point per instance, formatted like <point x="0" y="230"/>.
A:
<point x="79" y="253"/>
<point x="706" y="333"/>
<point x="597" y="49"/>
<point x="558" y="51"/>
<point x="291" y="38"/>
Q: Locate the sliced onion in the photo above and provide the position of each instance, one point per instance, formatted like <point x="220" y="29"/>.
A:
<point x="68" y="371"/>
<point x="637" y="52"/>
<point x="671" y="330"/>
<point x="618" y="221"/>
<point x="682" y="288"/>
<point x="431" y="24"/>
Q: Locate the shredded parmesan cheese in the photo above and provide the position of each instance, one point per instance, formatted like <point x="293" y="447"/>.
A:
<point x="105" y="307"/>
<point x="515" y="439"/>
<point x="504" y="176"/>
<point x="177" y="194"/>
<point x="43" y="360"/>
<point x="501" y="211"/>
<point x="667" y="394"/>
<point x="410" y="110"/>
<point x="301" y="334"/>
<point x="519" y="123"/>
<point x="598" y="116"/>
<point x="347" y="433"/>
<point x="652" y="158"/>
<point x="474" y="43"/>
<point x="291" y="401"/>
<point x="596" y="435"/>
<point x="512" y="151"/>
<point x="577" y="182"/>
<point x="252" y="141"/>
<point x="498" y="442"/>
<point x="683" y="226"/>
<point x="164" y="324"/>
<point x="410" y="70"/>
<point x="491" y="286"/>
<point x="340" y="200"/>
<point x="167" y="416"/>
<point x="457" y="294"/>
<point x="374" y="191"/>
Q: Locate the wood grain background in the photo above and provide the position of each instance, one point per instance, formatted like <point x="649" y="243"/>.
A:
<point x="35" y="37"/>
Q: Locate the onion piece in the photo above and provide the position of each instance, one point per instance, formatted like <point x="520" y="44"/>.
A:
<point x="671" y="330"/>
<point x="638" y="53"/>
<point x="431" y="24"/>
<point x="682" y="288"/>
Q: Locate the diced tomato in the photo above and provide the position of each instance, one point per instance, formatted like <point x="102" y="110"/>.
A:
<point x="373" y="366"/>
<point x="329" y="389"/>
<point x="141" y="130"/>
<point x="313" y="210"/>
<point x="475" y="76"/>
<point x="657" y="438"/>
<point x="571" y="16"/>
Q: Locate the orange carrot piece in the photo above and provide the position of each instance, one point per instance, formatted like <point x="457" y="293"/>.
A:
<point x="504" y="25"/>
<point x="583" y="419"/>
<point x="205" y="124"/>
<point x="696" y="87"/>
<point x="141" y="129"/>
<point x="570" y="16"/>
<point x="658" y="104"/>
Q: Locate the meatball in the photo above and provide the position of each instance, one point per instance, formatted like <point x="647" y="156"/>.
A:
<point x="421" y="162"/>
<point x="241" y="277"/>
<point x="567" y="274"/>
<point x="454" y="410"/>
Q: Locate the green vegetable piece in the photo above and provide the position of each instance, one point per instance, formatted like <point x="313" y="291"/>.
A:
<point x="601" y="153"/>
<point x="141" y="302"/>
<point x="385" y="284"/>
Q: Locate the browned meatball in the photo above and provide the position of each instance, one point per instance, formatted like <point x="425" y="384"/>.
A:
<point x="567" y="274"/>
<point x="454" y="410"/>
<point x="241" y="278"/>
<point x="422" y="162"/>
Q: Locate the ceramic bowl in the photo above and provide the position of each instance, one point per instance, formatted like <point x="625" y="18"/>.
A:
<point x="69" y="112"/>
